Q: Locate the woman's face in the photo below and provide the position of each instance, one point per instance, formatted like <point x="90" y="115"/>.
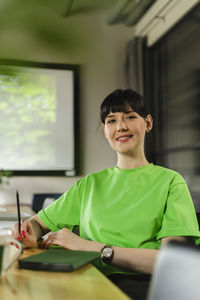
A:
<point x="125" y="131"/>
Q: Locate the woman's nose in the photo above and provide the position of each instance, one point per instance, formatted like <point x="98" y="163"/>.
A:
<point x="121" y="125"/>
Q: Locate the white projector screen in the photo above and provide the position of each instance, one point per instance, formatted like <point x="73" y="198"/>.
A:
<point x="37" y="118"/>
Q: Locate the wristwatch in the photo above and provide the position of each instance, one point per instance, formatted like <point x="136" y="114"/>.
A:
<point x="107" y="253"/>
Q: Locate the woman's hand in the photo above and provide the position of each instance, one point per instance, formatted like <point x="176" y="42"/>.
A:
<point x="67" y="239"/>
<point x="27" y="235"/>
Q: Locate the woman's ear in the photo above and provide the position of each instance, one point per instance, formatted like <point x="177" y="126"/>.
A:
<point x="149" y="122"/>
<point x="103" y="128"/>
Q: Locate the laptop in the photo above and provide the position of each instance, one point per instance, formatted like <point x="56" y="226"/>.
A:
<point x="59" y="260"/>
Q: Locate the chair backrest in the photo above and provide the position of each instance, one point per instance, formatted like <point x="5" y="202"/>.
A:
<point x="177" y="273"/>
<point x="198" y="218"/>
<point x="38" y="200"/>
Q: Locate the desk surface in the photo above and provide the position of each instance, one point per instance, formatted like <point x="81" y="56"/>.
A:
<point x="84" y="284"/>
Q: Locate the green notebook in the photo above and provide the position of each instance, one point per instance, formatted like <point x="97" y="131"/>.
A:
<point x="58" y="259"/>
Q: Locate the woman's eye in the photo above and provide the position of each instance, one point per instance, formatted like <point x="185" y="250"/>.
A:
<point x="131" y="117"/>
<point x="110" y="121"/>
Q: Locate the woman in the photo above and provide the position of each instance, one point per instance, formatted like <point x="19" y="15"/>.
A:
<point x="126" y="212"/>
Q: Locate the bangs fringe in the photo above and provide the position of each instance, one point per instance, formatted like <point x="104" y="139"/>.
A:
<point x="120" y="100"/>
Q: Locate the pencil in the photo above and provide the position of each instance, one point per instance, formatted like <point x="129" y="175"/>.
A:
<point x="18" y="212"/>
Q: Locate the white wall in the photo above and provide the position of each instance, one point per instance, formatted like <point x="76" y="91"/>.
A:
<point x="80" y="39"/>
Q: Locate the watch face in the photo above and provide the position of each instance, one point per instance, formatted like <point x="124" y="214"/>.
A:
<point x="107" y="252"/>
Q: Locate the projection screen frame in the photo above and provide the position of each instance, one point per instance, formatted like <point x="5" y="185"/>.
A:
<point x="76" y="157"/>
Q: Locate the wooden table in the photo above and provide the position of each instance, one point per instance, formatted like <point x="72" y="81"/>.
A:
<point x="84" y="284"/>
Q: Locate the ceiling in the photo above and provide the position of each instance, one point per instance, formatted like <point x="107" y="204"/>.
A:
<point x="60" y="24"/>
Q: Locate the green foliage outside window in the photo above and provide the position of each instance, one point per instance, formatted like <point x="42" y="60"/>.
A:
<point x="27" y="117"/>
<point x="4" y="176"/>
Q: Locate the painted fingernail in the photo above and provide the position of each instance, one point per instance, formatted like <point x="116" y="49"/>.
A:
<point x="19" y="238"/>
<point x="17" y="246"/>
<point x="23" y="233"/>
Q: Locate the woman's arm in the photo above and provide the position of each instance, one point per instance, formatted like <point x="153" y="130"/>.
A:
<point x="133" y="259"/>
<point x="139" y="259"/>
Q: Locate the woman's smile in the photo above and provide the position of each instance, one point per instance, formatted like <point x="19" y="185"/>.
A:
<point x="124" y="138"/>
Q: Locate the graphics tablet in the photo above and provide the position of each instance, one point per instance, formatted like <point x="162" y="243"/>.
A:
<point x="58" y="259"/>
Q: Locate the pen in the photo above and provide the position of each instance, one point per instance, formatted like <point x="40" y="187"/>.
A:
<point x="18" y="212"/>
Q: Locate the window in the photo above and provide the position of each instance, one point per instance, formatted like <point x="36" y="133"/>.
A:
<point x="174" y="87"/>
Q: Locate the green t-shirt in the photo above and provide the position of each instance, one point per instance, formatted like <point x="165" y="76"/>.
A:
<point x="132" y="208"/>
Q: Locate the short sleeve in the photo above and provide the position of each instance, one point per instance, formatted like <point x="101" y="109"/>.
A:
<point x="65" y="211"/>
<point x="179" y="218"/>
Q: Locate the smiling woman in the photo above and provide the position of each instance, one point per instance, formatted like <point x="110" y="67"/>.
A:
<point x="126" y="212"/>
<point x="125" y="123"/>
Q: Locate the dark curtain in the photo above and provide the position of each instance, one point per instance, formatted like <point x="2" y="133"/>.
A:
<point x="134" y="64"/>
<point x="137" y="67"/>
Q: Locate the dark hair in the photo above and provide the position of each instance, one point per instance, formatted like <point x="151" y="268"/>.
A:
<point x="118" y="101"/>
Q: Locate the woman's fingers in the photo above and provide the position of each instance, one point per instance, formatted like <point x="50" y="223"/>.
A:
<point x="53" y="238"/>
<point x="26" y="235"/>
<point x="14" y="244"/>
<point x="46" y="242"/>
<point x="24" y="227"/>
<point x="15" y="232"/>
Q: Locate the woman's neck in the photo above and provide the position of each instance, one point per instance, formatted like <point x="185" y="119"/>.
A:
<point x="130" y="162"/>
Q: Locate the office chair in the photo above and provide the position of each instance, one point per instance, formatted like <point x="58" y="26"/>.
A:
<point x="198" y="218"/>
<point x="38" y="200"/>
<point x="177" y="273"/>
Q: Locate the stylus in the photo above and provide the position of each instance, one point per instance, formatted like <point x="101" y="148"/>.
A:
<point x="18" y="212"/>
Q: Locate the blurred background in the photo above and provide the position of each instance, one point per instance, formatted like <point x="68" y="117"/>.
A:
<point x="150" y="46"/>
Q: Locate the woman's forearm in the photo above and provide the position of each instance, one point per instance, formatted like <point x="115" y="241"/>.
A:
<point x="133" y="259"/>
<point x="140" y="260"/>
